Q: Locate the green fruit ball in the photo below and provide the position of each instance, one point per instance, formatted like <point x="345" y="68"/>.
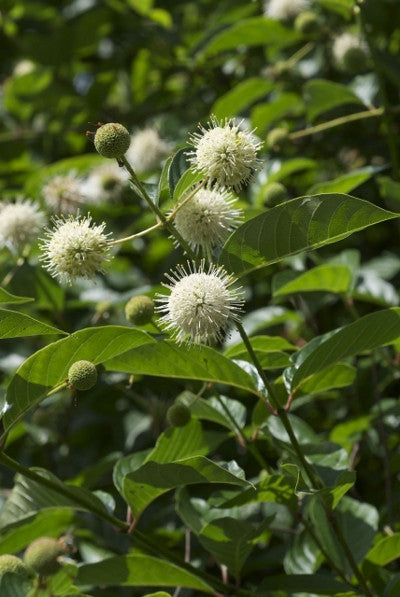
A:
<point x="274" y="194"/>
<point x="42" y="555"/>
<point x="307" y="23"/>
<point x="82" y="375"/>
<point x="355" y="60"/>
<point x="9" y="563"/>
<point x="178" y="415"/>
<point x="139" y="310"/>
<point x="112" y="140"/>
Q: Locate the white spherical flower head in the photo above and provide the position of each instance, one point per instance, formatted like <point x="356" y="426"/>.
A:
<point x="20" y="224"/>
<point x="147" y="150"/>
<point x="63" y="193"/>
<point x="225" y="154"/>
<point x="75" y="248"/>
<point x="284" y="10"/>
<point x="200" y="305"/>
<point x="205" y="221"/>
<point x="104" y="183"/>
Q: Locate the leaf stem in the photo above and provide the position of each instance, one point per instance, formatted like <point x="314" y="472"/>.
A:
<point x="303" y="51"/>
<point x="157" y="210"/>
<point x="336" y="122"/>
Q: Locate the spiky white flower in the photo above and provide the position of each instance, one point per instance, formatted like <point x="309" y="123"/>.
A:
<point x="147" y="150"/>
<point x="207" y="218"/>
<point x="20" y="223"/>
<point x="349" y="51"/>
<point x="284" y="10"/>
<point x="104" y="183"/>
<point x="75" y="248"/>
<point x="200" y="304"/>
<point x="224" y="153"/>
<point x="63" y="193"/>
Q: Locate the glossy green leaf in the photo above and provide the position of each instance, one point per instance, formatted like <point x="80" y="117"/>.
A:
<point x="241" y="97"/>
<point x="224" y="411"/>
<point x="385" y="551"/>
<point x="372" y="289"/>
<point x="303" y="555"/>
<point x="139" y="571"/>
<point x="368" y="332"/>
<point x="255" y="31"/>
<point x="323" y="278"/>
<point x="47" y="522"/>
<point x="345" y="183"/>
<point x="338" y="375"/>
<point x="189" y="178"/>
<point x="261" y="344"/>
<point x="49" y="366"/>
<point x="321" y="95"/>
<point x="297" y="225"/>
<point x="178" y="166"/>
<point x="29" y="497"/>
<point x="167" y="359"/>
<point x="14" y="324"/>
<point x="163" y="183"/>
<point x="152" y="479"/>
<point x="275" y="488"/>
<point x="7" y="298"/>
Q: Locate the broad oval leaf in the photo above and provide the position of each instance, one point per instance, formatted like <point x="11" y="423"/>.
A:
<point x="323" y="278"/>
<point x="11" y="299"/>
<point x="178" y="166"/>
<point x="139" y="571"/>
<point x="367" y="333"/>
<point x="49" y="366"/>
<point x="321" y="95"/>
<point x="14" y="324"/>
<point x="297" y="225"/>
<point x="189" y="178"/>
<point x="241" y="96"/>
<point x="347" y="182"/>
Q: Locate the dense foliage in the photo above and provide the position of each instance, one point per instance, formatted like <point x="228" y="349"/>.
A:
<point x="239" y="434"/>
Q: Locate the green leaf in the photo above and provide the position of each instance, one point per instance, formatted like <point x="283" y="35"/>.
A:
<point x="152" y="479"/>
<point x="178" y="166"/>
<point x="167" y="359"/>
<point x="139" y="571"/>
<point x="16" y="325"/>
<point x="297" y="225"/>
<point x="38" y="284"/>
<point x="261" y="344"/>
<point x="241" y="97"/>
<point x="29" y="497"/>
<point x="345" y="183"/>
<point x="282" y="170"/>
<point x="49" y="366"/>
<point x="189" y="178"/>
<point x="372" y="289"/>
<point x="385" y="551"/>
<point x="7" y="298"/>
<point x="338" y="375"/>
<point x="323" y="278"/>
<point x="47" y="522"/>
<point x="286" y="104"/>
<point x="15" y="585"/>
<point x="303" y="556"/>
<point x="368" y="332"/>
<point x="321" y="95"/>
<point x="342" y="7"/>
<point x="223" y="411"/>
<point x="278" y="489"/>
<point x="318" y="584"/>
<point x="250" y="32"/>
<point x="163" y="183"/>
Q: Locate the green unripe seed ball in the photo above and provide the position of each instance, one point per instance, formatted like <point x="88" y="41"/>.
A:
<point x="42" y="555"/>
<point x="82" y="375"/>
<point x="10" y="563"/>
<point x="355" y="60"/>
<point x="275" y="193"/>
<point x="139" y="310"/>
<point x="307" y="23"/>
<point x="178" y="415"/>
<point x="277" y="137"/>
<point x="112" y="140"/>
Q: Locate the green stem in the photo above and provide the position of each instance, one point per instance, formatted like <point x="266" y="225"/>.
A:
<point x="301" y="53"/>
<point x="336" y="122"/>
<point x="158" y="212"/>
<point x="137" y="235"/>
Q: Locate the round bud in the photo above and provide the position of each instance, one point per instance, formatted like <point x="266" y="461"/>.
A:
<point x="355" y="59"/>
<point x="139" y="310"/>
<point x="307" y="23"/>
<point x="178" y="415"/>
<point x="274" y="194"/>
<point x="43" y="556"/>
<point x="277" y="137"/>
<point x="82" y="375"/>
<point x="9" y="563"/>
<point x="112" y="140"/>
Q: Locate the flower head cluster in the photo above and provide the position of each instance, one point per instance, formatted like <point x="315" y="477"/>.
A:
<point x="200" y="304"/>
<point x="20" y="223"/>
<point x="63" y="193"/>
<point x="284" y="10"/>
<point x="104" y="183"/>
<point x="75" y="248"/>
<point x="207" y="218"/>
<point x="147" y="150"/>
<point x="225" y="154"/>
<point x="350" y="52"/>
